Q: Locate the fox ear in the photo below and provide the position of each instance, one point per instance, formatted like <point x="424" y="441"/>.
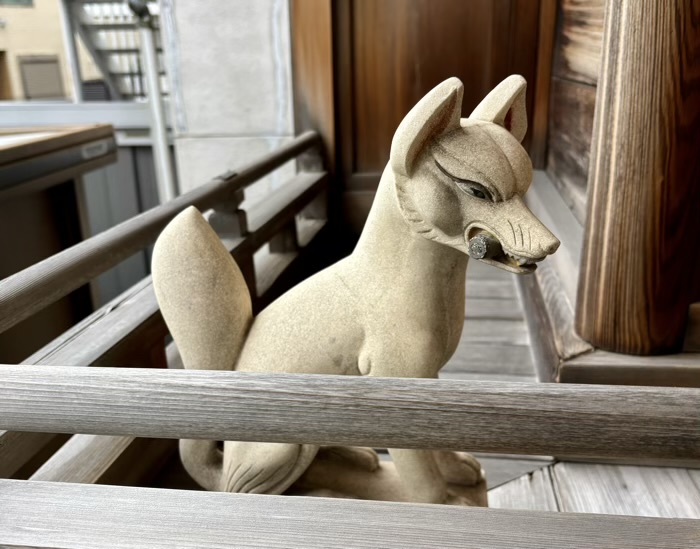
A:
<point x="505" y="106"/>
<point x="438" y="112"/>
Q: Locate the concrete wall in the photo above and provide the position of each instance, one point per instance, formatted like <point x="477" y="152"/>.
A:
<point x="230" y="66"/>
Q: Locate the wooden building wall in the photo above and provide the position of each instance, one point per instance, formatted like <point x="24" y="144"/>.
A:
<point x="575" y="65"/>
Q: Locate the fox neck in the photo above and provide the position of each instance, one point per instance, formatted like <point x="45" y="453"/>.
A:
<point x="394" y="254"/>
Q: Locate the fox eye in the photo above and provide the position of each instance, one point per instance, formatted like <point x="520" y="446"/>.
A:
<point x="475" y="189"/>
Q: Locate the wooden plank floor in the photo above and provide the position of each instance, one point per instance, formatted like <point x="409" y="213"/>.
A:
<point x="495" y="343"/>
<point x="609" y="489"/>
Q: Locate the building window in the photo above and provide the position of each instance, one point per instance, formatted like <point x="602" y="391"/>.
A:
<point x="41" y="77"/>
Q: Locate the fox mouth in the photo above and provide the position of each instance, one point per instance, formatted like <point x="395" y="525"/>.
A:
<point x="488" y="249"/>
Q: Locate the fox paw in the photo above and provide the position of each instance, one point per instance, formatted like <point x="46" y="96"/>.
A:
<point x="460" y="468"/>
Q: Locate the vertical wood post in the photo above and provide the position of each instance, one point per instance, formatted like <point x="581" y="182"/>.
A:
<point x="641" y="255"/>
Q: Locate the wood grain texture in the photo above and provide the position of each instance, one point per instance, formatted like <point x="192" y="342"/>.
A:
<point x="550" y="294"/>
<point x="83" y="459"/>
<point x="560" y="311"/>
<point x="492" y="343"/>
<point x="547" y="204"/>
<point x="496" y="288"/>
<point x="399" y="54"/>
<point x="16" y="449"/>
<point x="530" y="492"/>
<point x="695" y="475"/>
<point x="255" y="214"/>
<point x="475" y="376"/>
<point x="571" y="114"/>
<point x="487" y="358"/>
<point x="576" y="63"/>
<point x="114" y="335"/>
<point x="501" y="332"/>
<point x="678" y="370"/>
<point x="32" y="289"/>
<point x="626" y="490"/>
<point x="579" y="39"/>
<point x="521" y="418"/>
<point x="312" y="71"/>
<point x="640" y="262"/>
<point x="265" y="219"/>
<point x="545" y="355"/>
<point x="540" y="108"/>
<point x="482" y="271"/>
<point x="493" y="309"/>
<point x="82" y="516"/>
<point x="691" y="342"/>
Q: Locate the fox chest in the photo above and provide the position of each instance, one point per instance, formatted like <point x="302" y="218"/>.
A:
<point x="416" y="343"/>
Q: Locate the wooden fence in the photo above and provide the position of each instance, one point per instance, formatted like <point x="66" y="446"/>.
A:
<point x="109" y="408"/>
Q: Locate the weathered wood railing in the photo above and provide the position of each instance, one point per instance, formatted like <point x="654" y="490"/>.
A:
<point x="44" y="514"/>
<point x="595" y="420"/>
<point x="498" y="417"/>
<point x="130" y="330"/>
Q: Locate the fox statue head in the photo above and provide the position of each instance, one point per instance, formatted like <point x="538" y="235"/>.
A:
<point x="460" y="181"/>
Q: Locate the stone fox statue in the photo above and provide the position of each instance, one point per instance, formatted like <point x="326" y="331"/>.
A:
<point x="393" y="308"/>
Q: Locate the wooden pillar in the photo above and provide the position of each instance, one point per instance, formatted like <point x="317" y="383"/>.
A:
<point x="641" y="256"/>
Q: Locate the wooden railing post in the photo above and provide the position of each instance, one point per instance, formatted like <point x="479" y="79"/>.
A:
<point x="641" y="257"/>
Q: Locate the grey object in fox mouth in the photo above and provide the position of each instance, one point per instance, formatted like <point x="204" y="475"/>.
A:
<point x="484" y="246"/>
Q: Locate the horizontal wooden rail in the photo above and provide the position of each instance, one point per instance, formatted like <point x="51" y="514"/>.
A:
<point x="511" y="418"/>
<point x="47" y="514"/>
<point x="29" y="291"/>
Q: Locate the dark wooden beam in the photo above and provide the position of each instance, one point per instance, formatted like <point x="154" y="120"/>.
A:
<point x="312" y="74"/>
<point x="543" y="76"/>
<point x="641" y="258"/>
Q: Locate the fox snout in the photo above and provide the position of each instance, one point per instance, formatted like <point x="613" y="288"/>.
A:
<point x="511" y="238"/>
